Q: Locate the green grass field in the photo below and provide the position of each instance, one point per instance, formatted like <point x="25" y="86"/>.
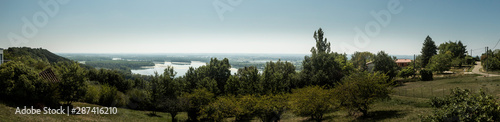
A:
<point x="408" y="103"/>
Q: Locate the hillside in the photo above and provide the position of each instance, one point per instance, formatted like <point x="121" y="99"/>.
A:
<point x="35" y="53"/>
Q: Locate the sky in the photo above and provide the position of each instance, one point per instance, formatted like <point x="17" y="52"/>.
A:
<point x="398" y="27"/>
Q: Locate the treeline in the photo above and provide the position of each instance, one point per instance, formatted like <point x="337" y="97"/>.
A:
<point x="119" y="64"/>
<point x="491" y="61"/>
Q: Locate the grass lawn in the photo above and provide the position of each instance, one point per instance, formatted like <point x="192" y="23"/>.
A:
<point x="7" y="114"/>
<point x="408" y="103"/>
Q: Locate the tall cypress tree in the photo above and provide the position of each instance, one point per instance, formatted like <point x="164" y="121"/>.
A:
<point x="429" y="49"/>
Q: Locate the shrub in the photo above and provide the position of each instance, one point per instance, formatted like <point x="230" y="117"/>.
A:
<point x="426" y="75"/>
<point x="463" y="105"/>
<point x="407" y="72"/>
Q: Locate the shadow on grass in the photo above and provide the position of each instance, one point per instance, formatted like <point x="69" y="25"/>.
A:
<point x="153" y="115"/>
<point x="381" y="115"/>
<point x="325" y="118"/>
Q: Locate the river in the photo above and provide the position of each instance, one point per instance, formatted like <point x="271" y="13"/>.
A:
<point x="180" y="68"/>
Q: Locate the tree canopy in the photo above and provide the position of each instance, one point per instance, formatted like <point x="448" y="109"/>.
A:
<point x="429" y="49"/>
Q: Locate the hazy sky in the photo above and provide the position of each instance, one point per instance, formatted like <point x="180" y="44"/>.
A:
<point x="246" y="26"/>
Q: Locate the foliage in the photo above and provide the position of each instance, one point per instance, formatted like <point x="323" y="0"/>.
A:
<point x="223" y="107"/>
<point x="357" y="91"/>
<point x="197" y="100"/>
<point x="112" y="78"/>
<point x="407" y="72"/>
<point x="72" y="85"/>
<point x="323" y="67"/>
<point x="212" y="76"/>
<point x="92" y="94"/>
<point x="108" y="96"/>
<point x="22" y="84"/>
<point x="426" y="75"/>
<point x="359" y="60"/>
<point x="163" y="92"/>
<point x="457" y="49"/>
<point x="440" y="62"/>
<point x="312" y="101"/>
<point x="464" y="105"/>
<point x="429" y="49"/>
<point x="277" y="77"/>
<point x="458" y="62"/>
<point x="246" y="81"/>
<point x="492" y="61"/>
<point x="138" y="99"/>
<point x="385" y="64"/>
<point x="270" y="108"/>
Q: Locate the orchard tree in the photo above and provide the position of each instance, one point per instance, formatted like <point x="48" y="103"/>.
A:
<point x="428" y="50"/>
<point x="269" y="108"/>
<point x="313" y="101"/>
<point x="357" y="91"/>
<point x="197" y="100"/>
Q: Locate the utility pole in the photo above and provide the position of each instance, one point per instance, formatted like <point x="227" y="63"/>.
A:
<point x="414" y="62"/>
<point x="487" y="59"/>
<point x="470" y="52"/>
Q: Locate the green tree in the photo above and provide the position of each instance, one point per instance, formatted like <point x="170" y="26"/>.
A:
<point x="269" y="108"/>
<point x="457" y="49"/>
<point x="464" y="105"/>
<point x="197" y="100"/>
<point x="164" y="92"/>
<point x="322" y="67"/>
<point x="203" y="76"/>
<point x="72" y="86"/>
<point x="277" y="77"/>
<point x="245" y="81"/>
<point x="428" y="50"/>
<point x="359" y="60"/>
<point x="312" y="101"/>
<point x="223" y="107"/>
<point x="440" y="62"/>
<point x="385" y="64"/>
<point x="357" y="91"/>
